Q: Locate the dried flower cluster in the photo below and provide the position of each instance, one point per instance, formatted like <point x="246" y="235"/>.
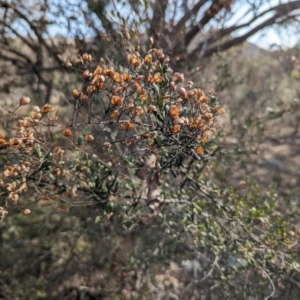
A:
<point x="140" y="110"/>
<point x="147" y="101"/>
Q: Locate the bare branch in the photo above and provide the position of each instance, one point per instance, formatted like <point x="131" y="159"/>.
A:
<point x="188" y="15"/>
<point x="210" y="13"/>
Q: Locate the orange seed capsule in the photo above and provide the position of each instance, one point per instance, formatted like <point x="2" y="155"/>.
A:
<point x="204" y="138"/>
<point x="24" y="101"/>
<point x="157" y="77"/>
<point x="109" y="72"/>
<point x="129" y="106"/>
<point x="174" y="112"/>
<point x="137" y="88"/>
<point x="116" y="101"/>
<point x="114" y="114"/>
<point x="203" y="98"/>
<point x="47" y="108"/>
<point x="126" y="126"/>
<point x="84" y="98"/>
<point x="182" y="92"/>
<point x="150" y="78"/>
<point x="90" y="89"/>
<point x="100" y="86"/>
<point x="144" y="96"/>
<point x="136" y="62"/>
<point x="126" y="77"/>
<point x="67" y="133"/>
<point x="148" y="59"/>
<point x="97" y="71"/>
<point x="117" y="77"/>
<point x="175" y="129"/>
<point x="87" y="57"/>
<point x="117" y="90"/>
<point x="199" y="150"/>
<point x="76" y="93"/>
<point x="34" y="115"/>
<point x="27" y="212"/>
<point x="138" y="111"/>
<point x="151" y="108"/>
<point x="87" y="75"/>
<point x="88" y="138"/>
<point x="129" y="57"/>
<point x="172" y="86"/>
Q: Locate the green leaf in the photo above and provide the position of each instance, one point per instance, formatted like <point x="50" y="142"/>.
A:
<point x="80" y="140"/>
<point x="97" y="219"/>
<point x="37" y="149"/>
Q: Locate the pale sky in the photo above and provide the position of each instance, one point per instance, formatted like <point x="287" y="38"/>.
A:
<point x="264" y="38"/>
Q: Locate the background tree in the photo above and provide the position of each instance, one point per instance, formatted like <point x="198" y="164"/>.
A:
<point x="185" y="30"/>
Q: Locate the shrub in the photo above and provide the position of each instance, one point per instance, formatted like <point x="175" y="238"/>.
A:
<point x="135" y="123"/>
